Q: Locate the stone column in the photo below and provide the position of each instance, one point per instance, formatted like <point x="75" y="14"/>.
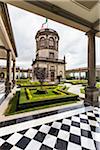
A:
<point x="79" y="74"/>
<point x="8" y="78"/>
<point x="91" y="92"/>
<point x="14" y="72"/>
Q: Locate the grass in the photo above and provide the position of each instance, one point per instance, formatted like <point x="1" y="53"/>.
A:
<point x="77" y="81"/>
<point x="83" y="91"/>
<point x="26" y="82"/>
<point x="98" y="85"/>
<point x="38" y="97"/>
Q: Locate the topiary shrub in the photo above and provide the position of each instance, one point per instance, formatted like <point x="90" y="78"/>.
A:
<point x="28" y="94"/>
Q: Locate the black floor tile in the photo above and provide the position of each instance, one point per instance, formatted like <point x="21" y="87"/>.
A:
<point x="53" y="131"/>
<point x="61" y="144"/>
<point x="95" y="129"/>
<point x="23" y="131"/>
<point x="49" y="124"/>
<point x="97" y="115"/>
<point x="86" y="133"/>
<point x="76" y="124"/>
<point x="37" y="127"/>
<point x="23" y="142"/>
<point x="69" y="118"/>
<point x="75" y="139"/>
<point x="6" y="136"/>
<point x="40" y="136"/>
<point x="77" y="115"/>
<point x="59" y="120"/>
<point x="44" y="147"/>
<point x="91" y="118"/>
<point x="6" y="146"/>
<point x="84" y="121"/>
<point x="65" y="127"/>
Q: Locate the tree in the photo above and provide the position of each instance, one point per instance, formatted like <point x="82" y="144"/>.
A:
<point x="41" y="75"/>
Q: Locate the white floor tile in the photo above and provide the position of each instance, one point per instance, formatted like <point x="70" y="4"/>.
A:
<point x="50" y="140"/>
<point x="96" y="136"/>
<point x="33" y="145"/>
<point x="15" y="148"/>
<point x="87" y="143"/>
<point x="67" y="121"/>
<point x="1" y="141"/>
<point x="83" y="116"/>
<point x="31" y="133"/>
<point x="64" y="135"/>
<point x="56" y="125"/>
<point x="44" y="129"/>
<point x="85" y="126"/>
<point x="14" y="138"/>
<point x="72" y="146"/>
<point x="75" y="130"/>
<point x="93" y="123"/>
<point x="76" y="119"/>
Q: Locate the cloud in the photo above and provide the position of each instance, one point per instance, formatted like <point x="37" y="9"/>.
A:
<point x="72" y="43"/>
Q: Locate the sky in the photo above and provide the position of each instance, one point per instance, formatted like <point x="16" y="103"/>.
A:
<point x="72" y="43"/>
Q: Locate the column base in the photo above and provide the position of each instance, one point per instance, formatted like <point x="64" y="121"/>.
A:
<point x="8" y="88"/>
<point x="91" y="96"/>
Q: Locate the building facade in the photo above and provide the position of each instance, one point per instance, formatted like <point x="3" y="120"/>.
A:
<point x="47" y="55"/>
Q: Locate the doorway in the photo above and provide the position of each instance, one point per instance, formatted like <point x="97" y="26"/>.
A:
<point x="52" y="76"/>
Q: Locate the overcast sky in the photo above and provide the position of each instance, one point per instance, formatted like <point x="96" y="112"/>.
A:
<point x="72" y="43"/>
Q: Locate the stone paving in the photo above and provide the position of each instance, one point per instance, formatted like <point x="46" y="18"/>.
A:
<point x="77" y="129"/>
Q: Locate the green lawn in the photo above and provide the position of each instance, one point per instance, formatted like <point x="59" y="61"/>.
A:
<point x="77" y="81"/>
<point x="22" y="97"/>
<point x="38" y="97"/>
<point x="26" y="82"/>
<point x="83" y="91"/>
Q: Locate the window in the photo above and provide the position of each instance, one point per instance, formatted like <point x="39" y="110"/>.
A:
<point x="51" y="41"/>
<point x="51" y="55"/>
<point x="52" y="68"/>
<point x="42" y="42"/>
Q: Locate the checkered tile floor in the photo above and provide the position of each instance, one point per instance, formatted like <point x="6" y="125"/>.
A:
<point x="78" y="132"/>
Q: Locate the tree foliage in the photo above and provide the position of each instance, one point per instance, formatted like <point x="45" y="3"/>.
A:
<point x="40" y="74"/>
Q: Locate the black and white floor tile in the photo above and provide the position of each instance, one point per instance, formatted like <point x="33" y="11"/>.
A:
<point x="78" y="132"/>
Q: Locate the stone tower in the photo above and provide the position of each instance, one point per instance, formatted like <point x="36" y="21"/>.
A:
<point x="47" y="41"/>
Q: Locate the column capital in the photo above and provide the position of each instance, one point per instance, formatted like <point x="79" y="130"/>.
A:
<point x="91" y="32"/>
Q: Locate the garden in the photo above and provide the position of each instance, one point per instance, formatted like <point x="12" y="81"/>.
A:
<point x="29" y="98"/>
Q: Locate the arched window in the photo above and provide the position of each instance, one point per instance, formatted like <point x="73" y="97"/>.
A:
<point x="42" y="41"/>
<point x="51" y="41"/>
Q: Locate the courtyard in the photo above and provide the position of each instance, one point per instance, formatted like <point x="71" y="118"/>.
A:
<point x="49" y="75"/>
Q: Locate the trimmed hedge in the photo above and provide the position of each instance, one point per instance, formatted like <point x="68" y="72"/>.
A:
<point x="48" y="102"/>
<point x="13" y="104"/>
<point x="28" y="94"/>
